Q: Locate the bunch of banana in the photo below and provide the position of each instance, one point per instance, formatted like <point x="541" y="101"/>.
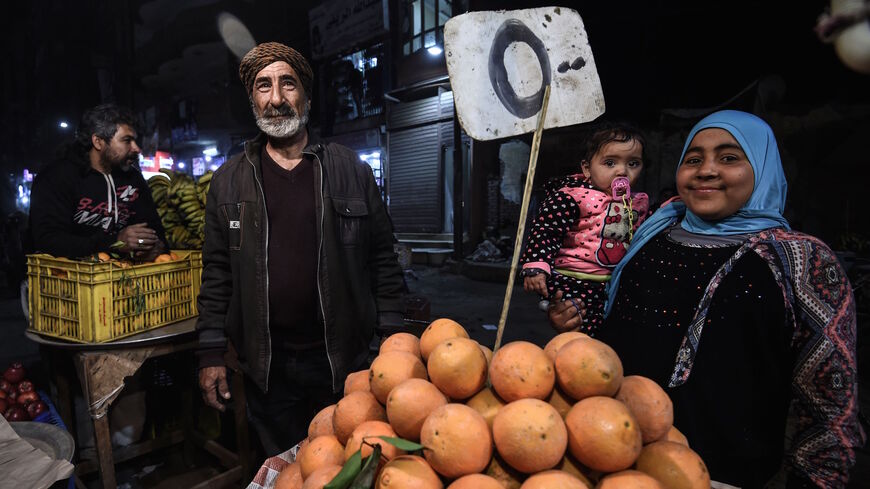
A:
<point x="181" y="204"/>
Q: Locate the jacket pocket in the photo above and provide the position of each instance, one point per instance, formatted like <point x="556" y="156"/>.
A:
<point x="352" y="218"/>
<point x="234" y="214"/>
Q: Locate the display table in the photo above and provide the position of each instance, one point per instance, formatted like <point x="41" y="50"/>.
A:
<point x="101" y="369"/>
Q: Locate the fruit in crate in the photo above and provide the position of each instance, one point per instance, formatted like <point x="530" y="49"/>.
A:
<point x="556" y="417"/>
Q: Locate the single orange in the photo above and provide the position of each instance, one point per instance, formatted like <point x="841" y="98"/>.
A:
<point x="320" y="452"/>
<point x="321" y="424"/>
<point x="457" y="440"/>
<point x="290" y="477"/>
<point x="457" y="367"/>
<point x="521" y="369"/>
<point x="357" y="381"/>
<point x="650" y="405"/>
<point x="405" y="342"/>
<point x="586" y="367"/>
<point x="487" y="403"/>
<point x="676" y="435"/>
<point x="559" y="341"/>
<point x="530" y="435"/>
<point x="674" y="465"/>
<point x="321" y="477"/>
<point x="438" y="331"/>
<point x="408" y="472"/>
<point x="628" y="479"/>
<point x="410" y="403"/>
<point x="352" y="410"/>
<point x="475" y="481"/>
<point x="603" y="434"/>
<point x="392" y="368"/>
<point x="553" y="479"/>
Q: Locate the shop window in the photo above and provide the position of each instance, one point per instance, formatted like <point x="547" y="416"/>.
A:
<point x="356" y="88"/>
<point x="423" y="24"/>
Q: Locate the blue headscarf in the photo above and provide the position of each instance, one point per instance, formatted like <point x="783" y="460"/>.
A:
<point x="762" y="211"/>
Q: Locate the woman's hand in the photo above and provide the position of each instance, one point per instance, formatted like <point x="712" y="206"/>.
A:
<point x="566" y="314"/>
<point x="536" y="283"/>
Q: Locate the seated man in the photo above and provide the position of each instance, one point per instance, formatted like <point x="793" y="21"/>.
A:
<point x="96" y="200"/>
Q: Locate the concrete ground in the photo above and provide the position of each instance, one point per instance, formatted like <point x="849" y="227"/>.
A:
<point x="475" y="304"/>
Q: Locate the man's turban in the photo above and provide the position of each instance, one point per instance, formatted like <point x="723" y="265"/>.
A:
<point x="269" y="52"/>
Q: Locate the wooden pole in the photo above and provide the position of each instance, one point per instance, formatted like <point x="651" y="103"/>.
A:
<point x="524" y="210"/>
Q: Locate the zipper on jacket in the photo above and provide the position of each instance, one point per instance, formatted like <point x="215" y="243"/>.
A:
<point x="319" y="252"/>
<point x="266" y="226"/>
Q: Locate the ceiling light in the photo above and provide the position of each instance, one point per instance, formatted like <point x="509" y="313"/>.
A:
<point x="435" y="50"/>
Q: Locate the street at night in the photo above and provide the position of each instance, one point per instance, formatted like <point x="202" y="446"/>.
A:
<point x="434" y="244"/>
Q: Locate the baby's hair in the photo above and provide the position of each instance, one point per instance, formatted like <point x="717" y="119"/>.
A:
<point x="609" y="132"/>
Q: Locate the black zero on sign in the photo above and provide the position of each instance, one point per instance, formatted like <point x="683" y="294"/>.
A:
<point x="511" y="31"/>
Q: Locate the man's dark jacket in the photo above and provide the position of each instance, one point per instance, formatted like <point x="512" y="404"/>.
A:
<point x="360" y="282"/>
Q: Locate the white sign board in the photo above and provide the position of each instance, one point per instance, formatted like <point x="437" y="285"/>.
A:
<point x="500" y="62"/>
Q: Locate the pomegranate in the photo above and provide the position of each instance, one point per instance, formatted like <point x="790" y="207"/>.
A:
<point x="15" y="373"/>
<point x="3" y="394"/>
<point x="3" y="405"/>
<point x="16" y="413"/>
<point x="5" y="385"/>
<point x="27" y="396"/>
<point x="25" y="386"/>
<point x="12" y="395"/>
<point x="36" y="408"/>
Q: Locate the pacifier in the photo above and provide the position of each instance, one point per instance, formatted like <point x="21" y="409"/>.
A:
<point x="620" y="188"/>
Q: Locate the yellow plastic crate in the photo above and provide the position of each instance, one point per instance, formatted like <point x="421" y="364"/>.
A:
<point x="91" y="302"/>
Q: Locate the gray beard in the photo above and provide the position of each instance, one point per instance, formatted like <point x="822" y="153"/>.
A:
<point x="281" y="128"/>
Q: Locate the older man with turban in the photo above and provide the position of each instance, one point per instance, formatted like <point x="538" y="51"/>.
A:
<point x="298" y="261"/>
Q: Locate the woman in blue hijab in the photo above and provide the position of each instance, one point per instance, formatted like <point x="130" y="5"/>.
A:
<point x="739" y="318"/>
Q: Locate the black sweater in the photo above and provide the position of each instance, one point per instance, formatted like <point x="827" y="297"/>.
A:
<point x="733" y="408"/>
<point x="76" y="211"/>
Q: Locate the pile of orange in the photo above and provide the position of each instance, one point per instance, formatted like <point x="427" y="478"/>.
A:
<point x="525" y="417"/>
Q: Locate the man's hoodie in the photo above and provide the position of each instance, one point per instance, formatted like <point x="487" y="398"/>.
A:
<point x="76" y="211"/>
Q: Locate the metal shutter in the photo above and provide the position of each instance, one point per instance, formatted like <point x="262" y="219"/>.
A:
<point x="415" y="180"/>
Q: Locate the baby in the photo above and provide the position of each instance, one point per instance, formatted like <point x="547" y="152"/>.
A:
<point x="583" y="228"/>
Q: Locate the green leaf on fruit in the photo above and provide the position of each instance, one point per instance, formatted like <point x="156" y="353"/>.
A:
<point x="402" y="444"/>
<point x="366" y="477"/>
<point x="348" y="473"/>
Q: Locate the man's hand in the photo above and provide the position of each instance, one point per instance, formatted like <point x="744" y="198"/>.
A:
<point x="213" y="382"/>
<point x="149" y="255"/>
<point x="566" y="315"/>
<point x="138" y="238"/>
<point x="536" y="283"/>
